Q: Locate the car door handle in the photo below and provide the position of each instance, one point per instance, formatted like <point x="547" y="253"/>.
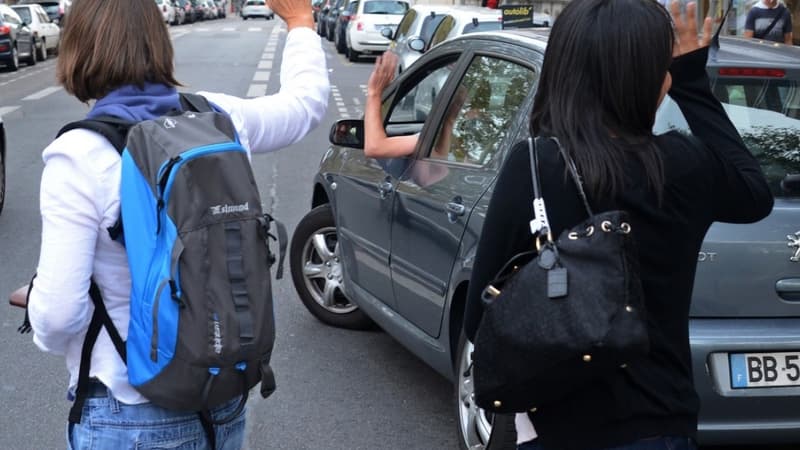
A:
<point x="788" y="289"/>
<point x="385" y="188"/>
<point x="456" y="209"/>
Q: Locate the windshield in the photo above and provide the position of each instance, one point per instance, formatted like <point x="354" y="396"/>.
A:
<point x="24" y="14"/>
<point x="385" y="7"/>
<point x="766" y="111"/>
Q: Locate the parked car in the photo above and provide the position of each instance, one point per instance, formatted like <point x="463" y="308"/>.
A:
<point x="180" y="13"/>
<point x="189" y="14"/>
<point x="322" y="17"/>
<point x="257" y="8"/>
<point x="371" y="17"/>
<point x="316" y="6"/>
<point x="212" y="11"/>
<point x="413" y="32"/>
<point x="167" y="11"/>
<point x="55" y="9"/>
<point x="16" y="40"/>
<point x="221" y="9"/>
<point x="46" y="34"/>
<point x="2" y="165"/>
<point x="392" y="241"/>
<point x="199" y="8"/>
<point x="465" y="19"/>
<point x="332" y="17"/>
<point x="340" y="30"/>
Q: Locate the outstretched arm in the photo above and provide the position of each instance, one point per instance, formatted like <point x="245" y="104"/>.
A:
<point x="376" y="143"/>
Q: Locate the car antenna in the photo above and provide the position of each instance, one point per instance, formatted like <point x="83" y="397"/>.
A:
<point x="474" y="21"/>
<point x="714" y="47"/>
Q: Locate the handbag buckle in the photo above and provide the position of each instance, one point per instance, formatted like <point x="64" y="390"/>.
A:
<point x="539" y="240"/>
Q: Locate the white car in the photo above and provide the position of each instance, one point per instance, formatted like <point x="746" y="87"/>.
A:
<point x="363" y="34"/>
<point x="167" y="10"/>
<point x="416" y="28"/>
<point x="463" y="19"/>
<point x="257" y="8"/>
<point x="46" y="34"/>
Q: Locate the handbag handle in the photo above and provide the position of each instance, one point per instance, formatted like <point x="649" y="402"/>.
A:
<point x="540" y="226"/>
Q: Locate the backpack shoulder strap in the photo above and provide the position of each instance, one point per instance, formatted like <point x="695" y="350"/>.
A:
<point x="194" y="102"/>
<point x="111" y="128"/>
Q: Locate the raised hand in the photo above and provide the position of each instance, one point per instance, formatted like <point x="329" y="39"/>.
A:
<point x="687" y="39"/>
<point x="382" y="74"/>
<point x="296" y="13"/>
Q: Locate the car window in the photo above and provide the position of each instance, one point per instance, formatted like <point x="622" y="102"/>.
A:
<point x="766" y="111"/>
<point x="385" y="7"/>
<point x="405" y="24"/>
<point x="487" y="98"/>
<point x="429" y="25"/>
<point x="24" y="13"/>
<point x="443" y="30"/>
<point x="482" y="26"/>
<point x="417" y="97"/>
<point x="11" y="17"/>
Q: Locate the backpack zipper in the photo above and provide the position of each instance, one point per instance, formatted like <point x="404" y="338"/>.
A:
<point x="162" y="186"/>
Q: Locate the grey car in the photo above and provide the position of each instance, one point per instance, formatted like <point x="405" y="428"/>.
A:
<point x="392" y="242"/>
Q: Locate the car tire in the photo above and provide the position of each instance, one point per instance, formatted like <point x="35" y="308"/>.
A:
<point x="341" y="47"/>
<point x="31" y="61"/>
<point x="13" y="63"/>
<point x="317" y="272"/>
<point x="352" y="55"/>
<point x="478" y="429"/>
<point x="244" y="17"/>
<point x="2" y="181"/>
<point x="42" y="50"/>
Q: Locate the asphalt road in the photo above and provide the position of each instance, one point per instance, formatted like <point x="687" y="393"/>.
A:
<point x="336" y="389"/>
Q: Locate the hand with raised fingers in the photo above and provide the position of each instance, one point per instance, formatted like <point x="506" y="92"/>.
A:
<point x="382" y="74"/>
<point x="687" y="39"/>
<point x="296" y="13"/>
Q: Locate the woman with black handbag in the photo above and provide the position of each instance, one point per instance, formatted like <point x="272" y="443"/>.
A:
<point x="608" y="66"/>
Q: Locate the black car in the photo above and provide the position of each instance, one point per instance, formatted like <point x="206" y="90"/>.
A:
<point x="324" y="9"/>
<point x="340" y="30"/>
<point x="332" y="17"/>
<point x="16" y="40"/>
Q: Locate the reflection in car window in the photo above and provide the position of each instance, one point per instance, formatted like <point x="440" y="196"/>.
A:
<point x="429" y="25"/>
<point x="482" y="26"/>
<point x="418" y="100"/>
<point x="24" y="13"/>
<point x="767" y="114"/>
<point x="486" y="101"/>
<point x="385" y="7"/>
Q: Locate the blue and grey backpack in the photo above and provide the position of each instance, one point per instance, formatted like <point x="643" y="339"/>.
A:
<point x="201" y="316"/>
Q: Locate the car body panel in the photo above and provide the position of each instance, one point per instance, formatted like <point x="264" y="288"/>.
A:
<point x="20" y="36"/>
<point x="40" y="24"/>
<point x="419" y="22"/>
<point x="372" y="16"/>
<point x="466" y="19"/>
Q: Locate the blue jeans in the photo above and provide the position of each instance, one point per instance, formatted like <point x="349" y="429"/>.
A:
<point x="108" y="424"/>
<point x="658" y="443"/>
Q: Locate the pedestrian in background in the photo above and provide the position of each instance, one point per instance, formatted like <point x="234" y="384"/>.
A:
<point x="119" y="54"/>
<point x="599" y="98"/>
<point x="769" y="20"/>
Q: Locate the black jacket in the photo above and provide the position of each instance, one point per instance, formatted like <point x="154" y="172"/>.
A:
<point x="712" y="177"/>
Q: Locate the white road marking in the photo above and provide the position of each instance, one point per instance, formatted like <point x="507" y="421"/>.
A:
<point x="229" y="29"/>
<point x="254" y="29"/>
<point x="257" y="90"/>
<point x="7" y="110"/>
<point x="269" y="48"/>
<point x="267" y="56"/>
<point x="42" y="94"/>
<point x="201" y="30"/>
<point x="261" y="76"/>
<point x="265" y="64"/>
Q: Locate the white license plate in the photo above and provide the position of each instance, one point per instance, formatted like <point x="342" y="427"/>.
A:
<point x="756" y="370"/>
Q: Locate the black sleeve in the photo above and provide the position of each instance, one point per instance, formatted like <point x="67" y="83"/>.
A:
<point x="505" y="232"/>
<point x="741" y="193"/>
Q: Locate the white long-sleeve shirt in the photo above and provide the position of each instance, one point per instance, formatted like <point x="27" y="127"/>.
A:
<point x="79" y="199"/>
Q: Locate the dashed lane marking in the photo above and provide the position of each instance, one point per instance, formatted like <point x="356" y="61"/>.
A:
<point x="265" y="64"/>
<point x="261" y="76"/>
<point x="42" y="94"/>
<point x="257" y="90"/>
<point x="7" y="110"/>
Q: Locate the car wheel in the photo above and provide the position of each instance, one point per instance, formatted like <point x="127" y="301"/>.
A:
<point x="340" y="45"/>
<point x="42" y="50"/>
<point x="244" y="17"/>
<point x="352" y="55"/>
<point x="328" y="34"/>
<point x="2" y="181"/>
<point x="32" y="58"/>
<point x="13" y="63"/>
<point x="317" y="271"/>
<point x="478" y="429"/>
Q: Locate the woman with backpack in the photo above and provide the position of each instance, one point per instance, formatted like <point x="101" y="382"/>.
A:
<point x="607" y="67"/>
<point x="118" y="53"/>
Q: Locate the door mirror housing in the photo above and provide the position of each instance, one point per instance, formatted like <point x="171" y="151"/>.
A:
<point x="348" y="133"/>
<point x="417" y="45"/>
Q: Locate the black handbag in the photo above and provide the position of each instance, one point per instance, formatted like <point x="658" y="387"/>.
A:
<point x="560" y="316"/>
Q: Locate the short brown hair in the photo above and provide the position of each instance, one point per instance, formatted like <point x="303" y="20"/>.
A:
<point x="107" y="44"/>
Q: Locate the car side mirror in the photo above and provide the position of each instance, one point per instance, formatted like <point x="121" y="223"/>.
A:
<point x="347" y="133"/>
<point x="387" y="33"/>
<point x="416" y="44"/>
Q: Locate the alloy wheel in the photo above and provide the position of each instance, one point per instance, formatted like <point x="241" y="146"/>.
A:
<point x="475" y="423"/>
<point x="322" y="271"/>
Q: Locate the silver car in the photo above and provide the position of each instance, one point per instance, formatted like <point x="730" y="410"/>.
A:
<point x="393" y="241"/>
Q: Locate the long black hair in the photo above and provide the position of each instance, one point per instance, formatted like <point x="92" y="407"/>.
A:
<point x="599" y="90"/>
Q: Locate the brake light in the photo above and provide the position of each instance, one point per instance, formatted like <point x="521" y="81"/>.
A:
<point x="5" y="29"/>
<point x="360" y="26"/>
<point x="3" y="48"/>
<point x="751" y="72"/>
